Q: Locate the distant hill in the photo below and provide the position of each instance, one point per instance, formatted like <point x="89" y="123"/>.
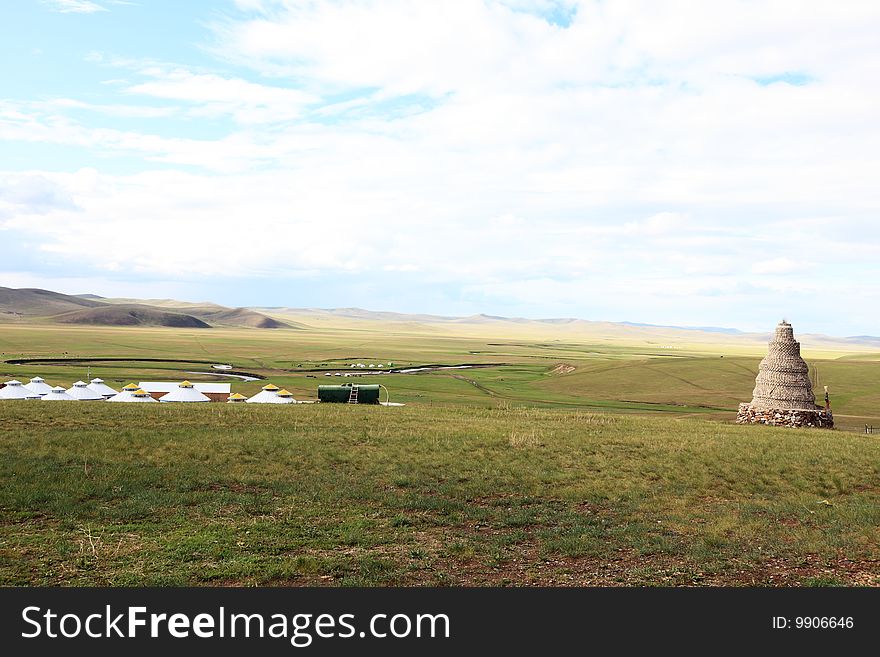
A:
<point x="90" y="309"/>
<point x="40" y="303"/>
<point x="357" y="313"/>
<point x="243" y="317"/>
<point x="130" y="315"/>
<point x="47" y="306"/>
<point x="168" y="304"/>
<point x="560" y="328"/>
<point x="707" y="329"/>
<point x="212" y="313"/>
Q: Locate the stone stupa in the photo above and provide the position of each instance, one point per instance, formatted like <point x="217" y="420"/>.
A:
<point x="783" y="394"/>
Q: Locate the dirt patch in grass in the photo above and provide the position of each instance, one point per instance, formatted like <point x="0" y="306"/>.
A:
<point x="626" y="567"/>
<point x="806" y="570"/>
<point x="236" y="487"/>
<point x="526" y="563"/>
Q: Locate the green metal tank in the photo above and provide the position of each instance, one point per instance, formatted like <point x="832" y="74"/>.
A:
<point x="366" y="394"/>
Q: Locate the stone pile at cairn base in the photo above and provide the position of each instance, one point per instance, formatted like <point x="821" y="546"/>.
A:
<point x="785" y="418"/>
<point x="783" y="394"/>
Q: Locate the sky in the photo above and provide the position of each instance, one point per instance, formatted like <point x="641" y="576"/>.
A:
<point x="673" y="162"/>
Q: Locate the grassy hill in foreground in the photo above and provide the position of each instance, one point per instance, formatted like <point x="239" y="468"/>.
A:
<point x="116" y="494"/>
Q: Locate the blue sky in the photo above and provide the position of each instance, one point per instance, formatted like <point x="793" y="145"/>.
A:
<point x="674" y="162"/>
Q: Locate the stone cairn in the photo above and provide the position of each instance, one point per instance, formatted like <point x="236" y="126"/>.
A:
<point x="783" y="393"/>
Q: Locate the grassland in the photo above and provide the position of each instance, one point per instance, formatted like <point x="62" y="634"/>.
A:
<point x="216" y="494"/>
<point x="569" y="460"/>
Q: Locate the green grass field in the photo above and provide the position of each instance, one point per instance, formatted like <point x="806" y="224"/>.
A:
<point x="575" y="461"/>
<point x="215" y="494"/>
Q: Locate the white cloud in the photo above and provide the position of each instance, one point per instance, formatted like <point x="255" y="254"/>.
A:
<point x="117" y="110"/>
<point x="778" y="266"/>
<point x="74" y="6"/>
<point x="654" y="147"/>
<point x="408" y="45"/>
<point x="213" y="95"/>
<point x="126" y="288"/>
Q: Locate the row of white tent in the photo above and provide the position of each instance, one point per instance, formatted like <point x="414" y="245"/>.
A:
<point x="97" y="390"/>
<point x="37" y="388"/>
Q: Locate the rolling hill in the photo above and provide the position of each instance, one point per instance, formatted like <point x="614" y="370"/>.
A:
<point x="89" y="309"/>
<point x="212" y="313"/>
<point x="53" y="307"/>
<point x="130" y="315"/>
<point x="243" y="317"/>
<point x="40" y="303"/>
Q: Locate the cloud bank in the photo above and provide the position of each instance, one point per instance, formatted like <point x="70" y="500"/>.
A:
<point x="675" y="162"/>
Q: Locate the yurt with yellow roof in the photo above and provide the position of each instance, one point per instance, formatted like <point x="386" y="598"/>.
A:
<point x="266" y="395"/>
<point x="281" y="397"/>
<point x="124" y="394"/>
<point x="185" y="393"/>
<point x="236" y="398"/>
<point x="140" y="396"/>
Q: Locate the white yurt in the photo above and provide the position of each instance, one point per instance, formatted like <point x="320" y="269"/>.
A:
<point x="236" y="398"/>
<point x="39" y="386"/>
<point x="141" y="396"/>
<point x="14" y="390"/>
<point x="58" y="393"/>
<point x="98" y="385"/>
<point x="136" y="395"/>
<point x="81" y="392"/>
<point x="266" y="395"/>
<point x="281" y="397"/>
<point x="125" y="393"/>
<point x="185" y="393"/>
